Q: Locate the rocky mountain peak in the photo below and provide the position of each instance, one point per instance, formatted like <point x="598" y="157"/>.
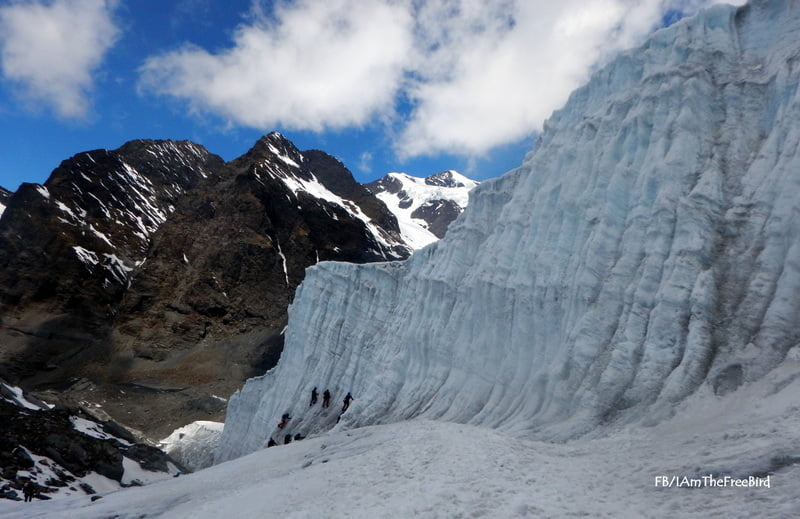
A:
<point x="272" y="148"/>
<point x="159" y="270"/>
<point x="450" y="178"/>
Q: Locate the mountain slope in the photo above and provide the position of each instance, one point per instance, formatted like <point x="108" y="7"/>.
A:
<point x="155" y="278"/>
<point x="428" y="469"/>
<point x="68" y="248"/>
<point x="424" y="207"/>
<point x="645" y="249"/>
<point x="67" y="451"/>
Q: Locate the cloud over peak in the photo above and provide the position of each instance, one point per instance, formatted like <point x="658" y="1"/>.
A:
<point x="468" y="75"/>
<point x="315" y="66"/>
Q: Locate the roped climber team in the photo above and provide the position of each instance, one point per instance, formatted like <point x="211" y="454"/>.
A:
<point x="326" y="402"/>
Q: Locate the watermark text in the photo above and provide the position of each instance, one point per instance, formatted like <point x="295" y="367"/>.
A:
<point x="711" y="481"/>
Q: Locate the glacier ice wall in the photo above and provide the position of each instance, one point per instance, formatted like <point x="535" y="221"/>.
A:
<point x="649" y="244"/>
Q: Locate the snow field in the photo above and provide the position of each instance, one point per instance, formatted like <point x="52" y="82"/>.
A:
<point x="430" y="469"/>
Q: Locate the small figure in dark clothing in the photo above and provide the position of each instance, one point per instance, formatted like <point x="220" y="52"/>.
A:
<point x="326" y="398"/>
<point x="271" y="442"/>
<point x="347" y="399"/>
<point x="313" y="396"/>
<point x="287" y="439"/>
<point x="298" y="437"/>
<point x="285" y="418"/>
<point x="29" y="490"/>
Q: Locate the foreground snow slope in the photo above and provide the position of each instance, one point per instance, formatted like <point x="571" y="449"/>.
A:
<point x="648" y="247"/>
<point x="430" y="469"/>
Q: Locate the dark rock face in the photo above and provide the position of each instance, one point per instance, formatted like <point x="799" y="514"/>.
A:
<point x="71" y="454"/>
<point x="161" y="271"/>
<point x="439" y="214"/>
<point x="329" y="171"/>
<point x="68" y="248"/>
<point x="446" y="179"/>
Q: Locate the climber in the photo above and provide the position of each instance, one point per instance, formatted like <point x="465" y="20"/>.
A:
<point x="271" y="442"/>
<point x="313" y="396"/>
<point x="347" y="399"/>
<point x="29" y="490"/>
<point x="298" y="437"/>
<point x="326" y="398"/>
<point x="287" y="439"/>
<point x="285" y="418"/>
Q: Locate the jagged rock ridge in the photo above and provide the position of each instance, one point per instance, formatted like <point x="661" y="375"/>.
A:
<point x="159" y="269"/>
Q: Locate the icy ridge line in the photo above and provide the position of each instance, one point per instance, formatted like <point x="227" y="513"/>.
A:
<point x="647" y="247"/>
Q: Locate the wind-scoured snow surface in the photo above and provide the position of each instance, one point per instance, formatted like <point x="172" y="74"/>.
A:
<point x="429" y="469"/>
<point x="646" y="249"/>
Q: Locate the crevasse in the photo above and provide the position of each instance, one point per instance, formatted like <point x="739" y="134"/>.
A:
<point x="648" y="245"/>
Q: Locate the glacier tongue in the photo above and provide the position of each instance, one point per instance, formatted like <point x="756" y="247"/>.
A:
<point x="647" y="246"/>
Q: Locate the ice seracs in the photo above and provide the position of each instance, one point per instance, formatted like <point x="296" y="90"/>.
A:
<point x="193" y="445"/>
<point x="645" y="249"/>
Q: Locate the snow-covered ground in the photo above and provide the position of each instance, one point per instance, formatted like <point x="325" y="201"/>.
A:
<point x="437" y="469"/>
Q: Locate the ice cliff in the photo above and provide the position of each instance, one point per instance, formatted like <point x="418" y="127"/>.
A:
<point x="650" y="244"/>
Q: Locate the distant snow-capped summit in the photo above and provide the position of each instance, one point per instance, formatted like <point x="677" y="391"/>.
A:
<point x="424" y="207"/>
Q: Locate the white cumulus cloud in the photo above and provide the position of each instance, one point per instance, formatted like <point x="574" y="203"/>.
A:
<point x="50" y="49"/>
<point x="457" y="76"/>
<point x="317" y="65"/>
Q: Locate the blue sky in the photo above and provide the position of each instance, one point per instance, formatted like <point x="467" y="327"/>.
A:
<point x="385" y="85"/>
